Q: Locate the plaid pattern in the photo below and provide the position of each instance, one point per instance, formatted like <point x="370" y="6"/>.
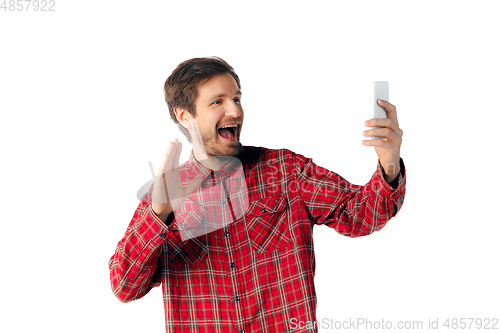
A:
<point x="255" y="274"/>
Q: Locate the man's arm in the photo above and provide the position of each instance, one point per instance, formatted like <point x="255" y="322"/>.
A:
<point x="133" y="266"/>
<point x="352" y="210"/>
<point x="355" y="210"/>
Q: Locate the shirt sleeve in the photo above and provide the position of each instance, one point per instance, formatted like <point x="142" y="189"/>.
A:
<point x="352" y="210"/>
<point x="133" y="267"/>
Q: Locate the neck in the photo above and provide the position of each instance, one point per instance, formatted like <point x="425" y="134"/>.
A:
<point x="211" y="162"/>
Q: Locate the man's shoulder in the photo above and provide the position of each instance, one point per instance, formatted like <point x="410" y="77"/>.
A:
<point x="256" y="150"/>
<point x="255" y="154"/>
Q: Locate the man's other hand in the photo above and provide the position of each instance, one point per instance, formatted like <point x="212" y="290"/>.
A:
<point x="389" y="145"/>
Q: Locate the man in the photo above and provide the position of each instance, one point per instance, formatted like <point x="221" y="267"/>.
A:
<point x="229" y="233"/>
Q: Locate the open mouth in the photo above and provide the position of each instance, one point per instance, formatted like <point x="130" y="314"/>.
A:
<point x="228" y="132"/>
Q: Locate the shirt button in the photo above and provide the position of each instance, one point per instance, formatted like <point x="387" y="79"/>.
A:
<point x="236" y="298"/>
<point x="183" y="225"/>
<point x="223" y="202"/>
<point x="242" y="331"/>
<point x="226" y="234"/>
<point x="217" y="173"/>
<point x="232" y="264"/>
<point x="163" y="235"/>
<point x="263" y="210"/>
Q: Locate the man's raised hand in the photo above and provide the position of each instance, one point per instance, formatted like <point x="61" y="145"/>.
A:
<point x="168" y="195"/>
<point x="388" y="147"/>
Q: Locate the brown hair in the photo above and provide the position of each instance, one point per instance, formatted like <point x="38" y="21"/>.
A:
<point x="181" y="87"/>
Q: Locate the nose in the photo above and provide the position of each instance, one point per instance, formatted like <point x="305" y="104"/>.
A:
<point x="233" y="110"/>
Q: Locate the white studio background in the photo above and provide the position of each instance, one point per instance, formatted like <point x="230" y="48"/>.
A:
<point x="83" y="112"/>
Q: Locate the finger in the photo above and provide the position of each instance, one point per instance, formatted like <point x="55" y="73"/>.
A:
<point x="163" y="164"/>
<point x="376" y="143"/>
<point x="165" y="188"/>
<point x="384" y="123"/>
<point x="177" y="155"/>
<point x="170" y="156"/>
<point x="382" y="133"/>
<point x="390" y="109"/>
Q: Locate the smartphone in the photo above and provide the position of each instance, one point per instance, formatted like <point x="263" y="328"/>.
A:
<point x="380" y="90"/>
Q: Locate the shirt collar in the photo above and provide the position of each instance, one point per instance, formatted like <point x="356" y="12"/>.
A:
<point x="234" y="168"/>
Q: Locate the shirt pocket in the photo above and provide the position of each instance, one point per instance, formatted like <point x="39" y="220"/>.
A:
<point x="267" y="223"/>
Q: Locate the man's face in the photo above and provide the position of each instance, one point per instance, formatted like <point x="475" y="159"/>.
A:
<point x="217" y="106"/>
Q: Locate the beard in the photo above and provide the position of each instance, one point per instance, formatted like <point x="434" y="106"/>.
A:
<point x="214" y="147"/>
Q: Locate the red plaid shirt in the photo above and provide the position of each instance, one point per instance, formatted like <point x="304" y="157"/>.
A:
<point x="254" y="273"/>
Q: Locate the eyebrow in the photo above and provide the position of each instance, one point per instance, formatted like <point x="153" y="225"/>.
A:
<point x="238" y="93"/>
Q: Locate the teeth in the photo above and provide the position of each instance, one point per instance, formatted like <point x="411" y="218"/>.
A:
<point x="229" y="126"/>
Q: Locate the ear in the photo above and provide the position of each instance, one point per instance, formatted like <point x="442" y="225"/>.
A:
<point x="183" y="116"/>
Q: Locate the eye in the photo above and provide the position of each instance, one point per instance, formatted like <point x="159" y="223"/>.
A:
<point x="236" y="100"/>
<point x="217" y="102"/>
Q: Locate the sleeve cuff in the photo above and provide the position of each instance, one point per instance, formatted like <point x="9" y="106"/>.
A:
<point x="394" y="195"/>
<point x="158" y="228"/>
<point x="396" y="183"/>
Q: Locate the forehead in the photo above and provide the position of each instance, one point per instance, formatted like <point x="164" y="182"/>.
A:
<point x="219" y="85"/>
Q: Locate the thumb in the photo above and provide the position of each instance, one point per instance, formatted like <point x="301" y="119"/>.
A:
<point x="193" y="185"/>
